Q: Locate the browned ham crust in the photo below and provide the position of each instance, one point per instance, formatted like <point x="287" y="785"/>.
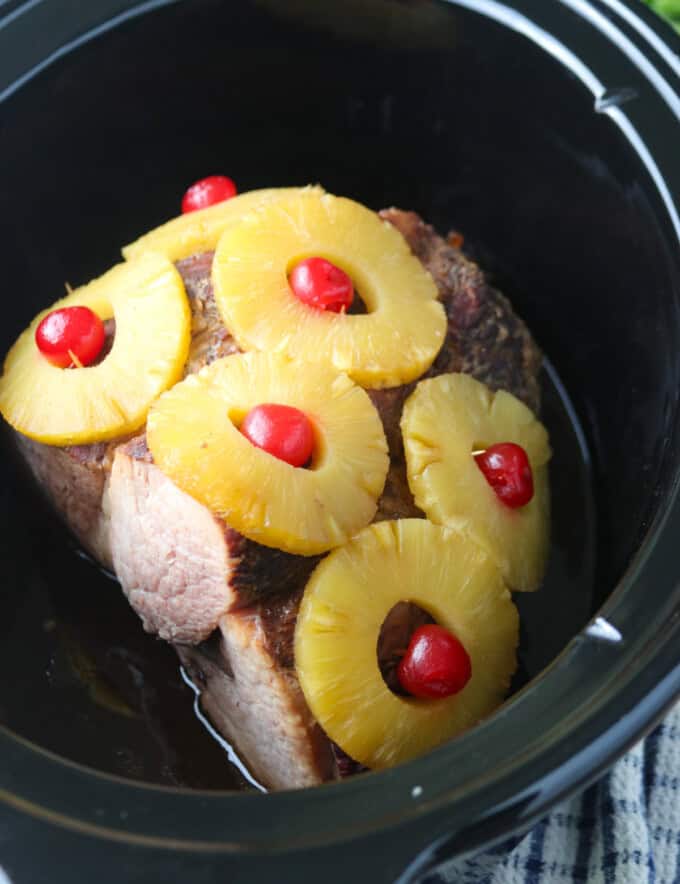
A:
<point x="210" y="339"/>
<point x="485" y="337"/>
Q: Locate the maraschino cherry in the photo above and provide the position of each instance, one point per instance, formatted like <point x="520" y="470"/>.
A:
<point x="282" y="431"/>
<point x="207" y="192"/>
<point x="435" y="664"/>
<point x="507" y="469"/>
<point x="320" y="284"/>
<point x="70" y="337"/>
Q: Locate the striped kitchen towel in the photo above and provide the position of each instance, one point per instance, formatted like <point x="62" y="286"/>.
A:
<point x="624" y="829"/>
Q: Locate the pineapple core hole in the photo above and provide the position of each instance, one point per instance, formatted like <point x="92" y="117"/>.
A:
<point x="395" y="633"/>
<point x="109" y="337"/>
<point x="358" y="306"/>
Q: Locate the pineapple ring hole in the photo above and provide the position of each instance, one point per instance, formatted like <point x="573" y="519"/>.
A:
<point x="361" y="304"/>
<point x="237" y="415"/>
<point x="401" y="622"/>
<point x="109" y="338"/>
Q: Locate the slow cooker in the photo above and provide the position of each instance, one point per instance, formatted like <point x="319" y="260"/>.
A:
<point x="549" y="135"/>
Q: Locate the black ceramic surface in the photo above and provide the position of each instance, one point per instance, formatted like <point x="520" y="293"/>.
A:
<point x="425" y="105"/>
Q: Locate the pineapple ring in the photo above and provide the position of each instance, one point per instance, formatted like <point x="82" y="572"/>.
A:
<point x="99" y="402"/>
<point x="392" y="344"/>
<point x="346" y="601"/>
<point x="193" y="434"/>
<point x="199" y="231"/>
<point x="443" y="421"/>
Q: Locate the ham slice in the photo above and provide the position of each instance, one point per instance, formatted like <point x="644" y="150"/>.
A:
<point x="180" y="566"/>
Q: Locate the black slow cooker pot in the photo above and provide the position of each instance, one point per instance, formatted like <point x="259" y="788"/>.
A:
<point x="549" y="133"/>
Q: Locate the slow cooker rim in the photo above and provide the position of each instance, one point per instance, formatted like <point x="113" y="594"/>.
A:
<point x="657" y="699"/>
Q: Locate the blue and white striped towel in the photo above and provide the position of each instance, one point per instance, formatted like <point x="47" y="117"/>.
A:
<point x="624" y="829"/>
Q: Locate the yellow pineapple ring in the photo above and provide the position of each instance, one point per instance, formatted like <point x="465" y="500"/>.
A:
<point x="193" y="434"/>
<point x="395" y="342"/>
<point x="199" y="231"/>
<point x="82" y="405"/>
<point x="346" y="601"/>
<point x="444" y="420"/>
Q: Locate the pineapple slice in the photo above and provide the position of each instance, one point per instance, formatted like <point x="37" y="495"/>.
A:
<point x="443" y="422"/>
<point x="199" y="231"/>
<point x="193" y="434"/>
<point x="82" y="405"/>
<point x="346" y="601"/>
<point x="393" y="343"/>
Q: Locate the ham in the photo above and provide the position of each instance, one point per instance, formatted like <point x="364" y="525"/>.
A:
<point x="226" y="603"/>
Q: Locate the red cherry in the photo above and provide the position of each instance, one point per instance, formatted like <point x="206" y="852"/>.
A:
<point x="281" y="430"/>
<point x="321" y="284"/>
<point x="508" y="471"/>
<point x="207" y="192"/>
<point x="70" y="336"/>
<point x="435" y="663"/>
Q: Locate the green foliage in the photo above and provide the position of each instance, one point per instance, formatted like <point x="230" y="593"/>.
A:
<point x="670" y="9"/>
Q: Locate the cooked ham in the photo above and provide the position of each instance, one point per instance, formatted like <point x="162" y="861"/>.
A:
<point x="250" y="692"/>
<point x="76" y="479"/>
<point x="210" y="339"/>
<point x="485" y="338"/>
<point x="229" y="604"/>
<point x="180" y="566"/>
